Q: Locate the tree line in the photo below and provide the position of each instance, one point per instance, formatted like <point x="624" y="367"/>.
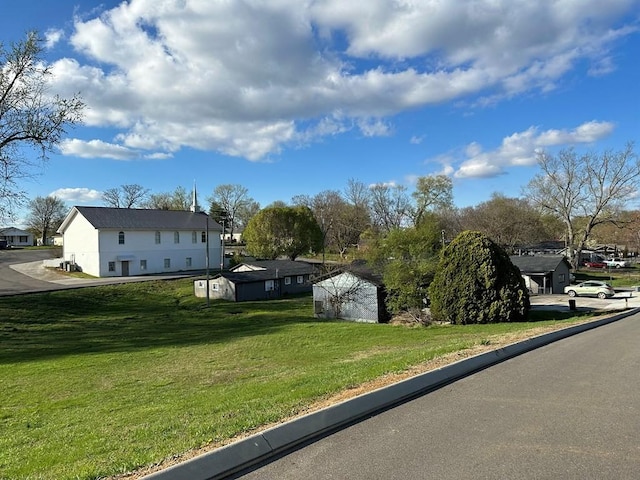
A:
<point x="579" y="198"/>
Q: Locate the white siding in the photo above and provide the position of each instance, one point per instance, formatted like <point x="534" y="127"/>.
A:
<point x="361" y="307"/>
<point x="92" y="250"/>
<point x="80" y="246"/>
<point x="140" y="245"/>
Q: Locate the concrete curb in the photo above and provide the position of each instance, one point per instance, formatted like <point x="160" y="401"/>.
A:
<point x="230" y="459"/>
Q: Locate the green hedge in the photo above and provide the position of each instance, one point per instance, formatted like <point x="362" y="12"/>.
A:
<point x="476" y="283"/>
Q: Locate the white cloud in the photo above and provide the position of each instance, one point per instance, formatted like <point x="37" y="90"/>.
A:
<point x="97" y="149"/>
<point x="520" y="148"/>
<point x="52" y="37"/>
<point x="374" y="128"/>
<point x="249" y="78"/>
<point x="77" y="195"/>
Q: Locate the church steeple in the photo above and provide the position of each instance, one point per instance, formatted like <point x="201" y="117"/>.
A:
<point x="194" y="201"/>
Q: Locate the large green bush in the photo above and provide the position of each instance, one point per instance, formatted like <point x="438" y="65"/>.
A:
<point x="476" y="282"/>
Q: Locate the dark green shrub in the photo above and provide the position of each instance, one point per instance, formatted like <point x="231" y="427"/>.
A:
<point x="476" y="283"/>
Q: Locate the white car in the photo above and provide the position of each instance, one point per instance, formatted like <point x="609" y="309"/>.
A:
<point x="590" y="288"/>
<point x="617" y="263"/>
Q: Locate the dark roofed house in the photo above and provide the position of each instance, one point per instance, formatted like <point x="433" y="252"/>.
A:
<point x="259" y="280"/>
<point x="544" y="273"/>
<point x="111" y="242"/>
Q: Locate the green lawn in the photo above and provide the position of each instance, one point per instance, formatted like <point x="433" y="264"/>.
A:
<point x="623" y="277"/>
<point x="103" y="380"/>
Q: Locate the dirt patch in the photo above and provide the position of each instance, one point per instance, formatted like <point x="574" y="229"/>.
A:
<point x="494" y="342"/>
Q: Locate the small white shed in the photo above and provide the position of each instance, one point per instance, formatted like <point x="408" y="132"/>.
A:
<point x="350" y="295"/>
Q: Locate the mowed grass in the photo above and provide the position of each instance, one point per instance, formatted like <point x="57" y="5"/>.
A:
<point x="100" y="381"/>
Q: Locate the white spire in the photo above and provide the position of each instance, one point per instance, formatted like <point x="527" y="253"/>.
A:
<point x="194" y="201"/>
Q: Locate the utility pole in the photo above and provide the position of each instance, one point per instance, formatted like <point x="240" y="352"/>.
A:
<point x="222" y="247"/>
<point x="207" y="259"/>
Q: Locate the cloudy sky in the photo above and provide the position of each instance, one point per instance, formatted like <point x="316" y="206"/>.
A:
<point x="289" y="97"/>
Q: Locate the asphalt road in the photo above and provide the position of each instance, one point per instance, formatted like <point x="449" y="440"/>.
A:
<point x="12" y="282"/>
<point x="570" y="410"/>
<point x="30" y="276"/>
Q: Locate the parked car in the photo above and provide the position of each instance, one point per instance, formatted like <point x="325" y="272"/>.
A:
<point x="617" y="263"/>
<point x="590" y="288"/>
<point x="595" y="264"/>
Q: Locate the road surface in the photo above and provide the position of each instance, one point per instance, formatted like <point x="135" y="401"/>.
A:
<point x="570" y="410"/>
<point x="12" y="282"/>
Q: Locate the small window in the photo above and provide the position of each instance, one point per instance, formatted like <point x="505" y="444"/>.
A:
<point x="561" y="278"/>
<point x="268" y="285"/>
<point x="176" y="237"/>
<point x="112" y="266"/>
<point x="188" y="261"/>
<point x="215" y="287"/>
<point x="121" y="238"/>
<point x="300" y="279"/>
<point x="157" y="238"/>
<point x="287" y="280"/>
<point x="203" y="237"/>
<point x="194" y="237"/>
<point x="143" y="264"/>
<point x="167" y="263"/>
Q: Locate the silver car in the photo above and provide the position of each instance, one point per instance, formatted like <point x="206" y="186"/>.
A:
<point x="590" y="288"/>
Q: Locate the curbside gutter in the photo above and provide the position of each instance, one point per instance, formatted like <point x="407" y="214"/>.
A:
<point x="243" y="454"/>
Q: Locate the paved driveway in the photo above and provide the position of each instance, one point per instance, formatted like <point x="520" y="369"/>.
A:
<point x="13" y="282"/>
<point x="21" y="271"/>
<point x="569" y="410"/>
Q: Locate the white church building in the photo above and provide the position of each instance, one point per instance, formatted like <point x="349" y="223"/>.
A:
<point x="119" y="242"/>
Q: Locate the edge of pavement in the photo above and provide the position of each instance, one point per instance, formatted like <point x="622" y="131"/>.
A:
<point x="266" y="445"/>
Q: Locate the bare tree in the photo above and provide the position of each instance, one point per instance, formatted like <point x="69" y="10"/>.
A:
<point x="358" y="194"/>
<point x="29" y="117"/>
<point x="590" y="187"/>
<point x="507" y="221"/>
<point x="45" y="216"/>
<point x="125" y="196"/>
<point x="341" y="222"/>
<point x="179" y="199"/>
<point x="233" y="199"/>
<point x="390" y="206"/>
<point x="246" y="212"/>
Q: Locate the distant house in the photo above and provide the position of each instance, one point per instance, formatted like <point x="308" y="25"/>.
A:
<point x="259" y="280"/>
<point x="14" y="237"/>
<point x="544" y="273"/>
<point x="56" y="240"/>
<point x="235" y="238"/>
<point x="112" y="242"/>
<point x="352" y="294"/>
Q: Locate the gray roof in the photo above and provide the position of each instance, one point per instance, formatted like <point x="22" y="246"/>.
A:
<point x="273" y="269"/>
<point x="361" y="271"/>
<point x="144" y="219"/>
<point x="284" y="267"/>
<point x="538" y="263"/>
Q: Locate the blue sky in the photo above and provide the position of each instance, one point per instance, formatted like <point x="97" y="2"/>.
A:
<point x="289" y="97"/>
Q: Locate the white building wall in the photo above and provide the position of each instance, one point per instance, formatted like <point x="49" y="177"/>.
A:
<point x="363" y="307"/>
<point x="80" y="246"/>
<point x="140" y="247"/>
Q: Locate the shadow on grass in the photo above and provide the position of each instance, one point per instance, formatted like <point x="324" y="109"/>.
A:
<point x="121" y="318"/>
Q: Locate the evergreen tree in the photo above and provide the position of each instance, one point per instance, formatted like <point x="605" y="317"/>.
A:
<point x="476" y="282"/>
